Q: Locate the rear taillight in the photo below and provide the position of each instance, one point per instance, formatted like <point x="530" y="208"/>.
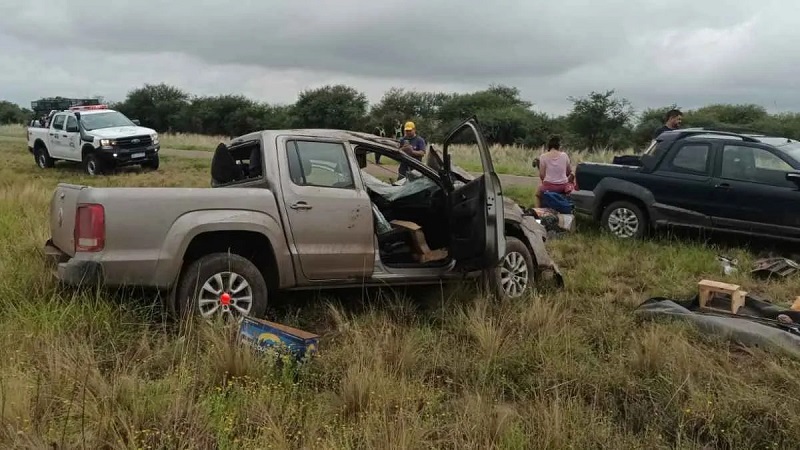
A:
<point x="90" y="228"/>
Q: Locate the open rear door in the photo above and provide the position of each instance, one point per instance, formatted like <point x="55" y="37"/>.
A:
<point x="477" y="238"/>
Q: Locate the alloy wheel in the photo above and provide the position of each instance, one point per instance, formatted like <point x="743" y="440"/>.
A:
<point x="623" y="223"/>
<point x="227" y="295"/>
<point x="514" y="274"/>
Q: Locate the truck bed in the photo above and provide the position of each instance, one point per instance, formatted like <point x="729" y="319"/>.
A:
<point x="588" y="174"/>
<point x="141" y="224"/>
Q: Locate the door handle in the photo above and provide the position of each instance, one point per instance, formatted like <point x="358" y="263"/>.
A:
<point x="723" y="186"/>
<point x="300" y="205"/>
<point x="64" y="135"/>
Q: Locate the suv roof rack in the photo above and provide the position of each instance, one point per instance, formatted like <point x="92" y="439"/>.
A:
<point x="689" y="132"/>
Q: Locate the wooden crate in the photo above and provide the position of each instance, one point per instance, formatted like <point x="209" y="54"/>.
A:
<point x="708" y="289"/>
<point x="422" y="253"/>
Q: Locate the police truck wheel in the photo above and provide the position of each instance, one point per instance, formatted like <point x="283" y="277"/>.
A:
<point x="43" y="159"/>
<point x="92" y="165"/>
<point x="151" y="164"/>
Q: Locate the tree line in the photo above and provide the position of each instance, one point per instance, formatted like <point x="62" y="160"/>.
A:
<point x="598" y="120"/>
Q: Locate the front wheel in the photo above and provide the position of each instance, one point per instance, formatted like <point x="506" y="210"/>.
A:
<point x="514" y="277"/>
<point x="92" y="165"/>
<point x="222" y="285"/>
<point x="151" y="164"/>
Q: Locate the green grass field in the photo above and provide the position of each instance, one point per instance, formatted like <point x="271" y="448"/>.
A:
<point x="437" y="368"/>
<point x="510" y="160"/>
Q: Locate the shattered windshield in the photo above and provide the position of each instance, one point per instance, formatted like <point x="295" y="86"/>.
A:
<point x="413" y="185"/>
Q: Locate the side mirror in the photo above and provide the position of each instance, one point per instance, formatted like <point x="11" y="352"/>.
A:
<point x="794" y="177"/>
<point x="136" y="122"/>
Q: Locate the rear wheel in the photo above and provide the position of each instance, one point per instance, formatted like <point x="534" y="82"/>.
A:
<point x="43" y="159"/>
<point x="222" y="285"/>
<point x="625" y="220"/>
<point x="514" y="277"/>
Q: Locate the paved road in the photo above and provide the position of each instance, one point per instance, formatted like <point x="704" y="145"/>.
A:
<point x="507" y="180"/>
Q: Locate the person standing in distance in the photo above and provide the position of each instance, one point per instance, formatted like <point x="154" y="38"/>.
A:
<point x="673" y="122"/>
<point x="412" y="145"/>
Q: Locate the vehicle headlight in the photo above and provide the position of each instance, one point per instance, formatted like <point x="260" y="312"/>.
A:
<point x="106" y="142"/>
<point x="154" y="138"/>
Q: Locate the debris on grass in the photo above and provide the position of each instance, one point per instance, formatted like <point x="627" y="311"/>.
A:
<point x="768" y="267"/>
<point x="726" y="311"/>
<point x="262" y="335"/>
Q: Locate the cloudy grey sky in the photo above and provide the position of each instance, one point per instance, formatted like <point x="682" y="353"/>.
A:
<point x="655" y="53"/>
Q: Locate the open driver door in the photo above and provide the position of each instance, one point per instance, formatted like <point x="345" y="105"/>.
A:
<point x="475" y="210"/>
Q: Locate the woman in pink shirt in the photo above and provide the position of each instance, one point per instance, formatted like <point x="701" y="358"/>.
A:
<point x="554" y="170"/>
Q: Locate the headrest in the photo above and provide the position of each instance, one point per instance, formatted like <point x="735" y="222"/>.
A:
<point x="223" y="167"/>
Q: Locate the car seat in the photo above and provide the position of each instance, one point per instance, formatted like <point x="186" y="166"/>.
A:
<point x="224" y="169"/>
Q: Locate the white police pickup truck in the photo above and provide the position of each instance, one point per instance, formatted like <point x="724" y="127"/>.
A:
<point x="100" y="138"/>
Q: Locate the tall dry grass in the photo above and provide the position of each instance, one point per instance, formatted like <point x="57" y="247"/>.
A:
<point x="429" y="368"/>
<point x="507" y="159"/>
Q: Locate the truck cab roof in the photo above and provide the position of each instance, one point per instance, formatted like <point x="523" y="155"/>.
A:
<point x="660" y="146"/>
<point x="345" y="135"/>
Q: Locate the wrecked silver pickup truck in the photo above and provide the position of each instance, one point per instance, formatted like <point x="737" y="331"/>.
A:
<point x="290" y="209"/>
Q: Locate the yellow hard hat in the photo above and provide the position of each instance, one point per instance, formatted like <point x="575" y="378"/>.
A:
<point x="409" y="126"/>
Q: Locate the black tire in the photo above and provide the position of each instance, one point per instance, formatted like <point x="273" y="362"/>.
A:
<point x="196" y="274"/>
<point x="42" y="158"/>
<point x="92" y="165"/>
<point x="517" y="268"/>
<point x="151" y="164"/>
<point x="625" y="220"/>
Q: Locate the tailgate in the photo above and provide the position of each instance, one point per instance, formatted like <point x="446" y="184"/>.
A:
<point x="62" y="216"/>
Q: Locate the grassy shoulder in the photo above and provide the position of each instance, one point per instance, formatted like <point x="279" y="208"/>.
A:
<point x="508" y="160"/>
<point x="429" y="368"/>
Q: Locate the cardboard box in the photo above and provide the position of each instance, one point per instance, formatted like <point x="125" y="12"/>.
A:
<point x="262" y="334"/>
<point x="422" y="252"/>
<point x="566" y="222"/>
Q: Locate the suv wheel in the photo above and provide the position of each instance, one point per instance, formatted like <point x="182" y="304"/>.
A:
<point x="222" y="285"/>
<point x="514" y="277"/>
<point x="625" y="220"/>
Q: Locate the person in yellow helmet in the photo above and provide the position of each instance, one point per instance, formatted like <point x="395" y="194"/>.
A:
<point x="412" y="145"/>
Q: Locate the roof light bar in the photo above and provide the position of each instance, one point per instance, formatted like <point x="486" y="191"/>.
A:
<point x="87" y="107"/>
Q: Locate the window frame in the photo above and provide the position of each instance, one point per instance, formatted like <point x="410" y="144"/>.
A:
<point x="66" y="123"/>
<point x="57" y="126"/>
<point x="753" y="147"/>
<point x="672" y="168"/>
<point x="293" y="151"/>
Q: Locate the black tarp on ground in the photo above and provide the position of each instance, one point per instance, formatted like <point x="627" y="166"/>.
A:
<point x="761" y="329"/>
